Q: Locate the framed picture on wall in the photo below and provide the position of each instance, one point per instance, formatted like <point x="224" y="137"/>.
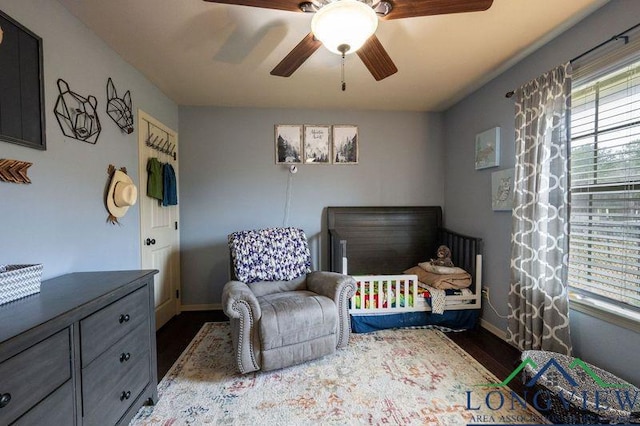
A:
<point x="345" y="144"/>
<point x="288" y="143"/>
<point x="488" y="148"/>
<point x="21" y="78"/>
<point x="502" y="189"/>
<point x="317" y="144"/>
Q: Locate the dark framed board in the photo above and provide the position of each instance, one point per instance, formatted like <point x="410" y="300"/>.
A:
<point x="22" y="116"/>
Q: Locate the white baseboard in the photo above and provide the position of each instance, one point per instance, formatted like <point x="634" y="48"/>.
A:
<point x="493" y="329"/>
<point x="204" y="307"/>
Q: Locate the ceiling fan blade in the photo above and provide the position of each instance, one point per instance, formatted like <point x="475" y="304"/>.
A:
<point x="412" y="8"/>
<point x="297" y="56"/>
<point x="290" y="5"/>
<point x="376" y="59"/>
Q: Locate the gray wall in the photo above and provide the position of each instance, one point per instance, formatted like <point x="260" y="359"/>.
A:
<point x="60" y="219"/>
<point x="467" y="192"/>
<point x="230" y="182"/>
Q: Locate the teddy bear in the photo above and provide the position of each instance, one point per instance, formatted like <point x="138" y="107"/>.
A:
<point x="443" y="257"/>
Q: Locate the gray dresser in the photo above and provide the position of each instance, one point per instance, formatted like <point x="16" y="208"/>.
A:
<point x="81" y="352"/>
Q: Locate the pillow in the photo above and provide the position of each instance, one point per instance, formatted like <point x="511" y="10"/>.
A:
<point x="442" y="270"/>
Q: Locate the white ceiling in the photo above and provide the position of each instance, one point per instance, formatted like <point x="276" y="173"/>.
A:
<point x="201" y="53"/>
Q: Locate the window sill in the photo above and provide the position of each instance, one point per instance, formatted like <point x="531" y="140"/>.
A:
<point x="616" y="314"/>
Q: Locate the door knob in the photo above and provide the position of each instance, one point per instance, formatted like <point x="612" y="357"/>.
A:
<point x="150" y="241"/>
<point x="5" y="398"/>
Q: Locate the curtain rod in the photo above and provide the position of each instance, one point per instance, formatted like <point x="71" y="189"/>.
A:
<point x="614" y="38"/>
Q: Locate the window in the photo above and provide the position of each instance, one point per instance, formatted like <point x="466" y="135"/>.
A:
<point x="604" y="248"/>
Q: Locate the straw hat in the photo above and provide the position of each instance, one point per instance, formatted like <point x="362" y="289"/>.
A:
<point x="121" y="195"/>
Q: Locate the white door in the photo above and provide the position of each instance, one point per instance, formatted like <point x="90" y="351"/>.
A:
<point x="159" y="225"/>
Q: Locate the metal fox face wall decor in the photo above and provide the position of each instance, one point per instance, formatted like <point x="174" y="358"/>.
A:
<point x="120" y="109"/>
<point x="77" y="115"/>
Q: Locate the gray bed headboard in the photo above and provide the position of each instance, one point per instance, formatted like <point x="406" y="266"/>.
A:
<point x="383" y="240"/>
<point x="390" y="240"/>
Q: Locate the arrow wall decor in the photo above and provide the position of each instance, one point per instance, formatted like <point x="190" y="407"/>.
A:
<point x="14" y="171"/>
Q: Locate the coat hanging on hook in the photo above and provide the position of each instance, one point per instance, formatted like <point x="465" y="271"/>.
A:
<point x="155" y="179"/>
<point x="170" y="186"/>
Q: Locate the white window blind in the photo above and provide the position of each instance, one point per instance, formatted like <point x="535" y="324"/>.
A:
<point x="604" y="248"/>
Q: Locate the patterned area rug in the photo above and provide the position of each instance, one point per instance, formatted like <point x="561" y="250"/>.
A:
<point x="407" y="376"/>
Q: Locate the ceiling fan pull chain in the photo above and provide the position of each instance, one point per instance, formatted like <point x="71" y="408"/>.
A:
<point x="344" y="84"/>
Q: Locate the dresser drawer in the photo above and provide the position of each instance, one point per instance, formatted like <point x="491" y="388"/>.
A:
<point x="103" y="374"/>
<point x="31" y="375"/>
<point x="111" y="403"/>
<point x="56" y="409"/>
<point x="102" y="329"/>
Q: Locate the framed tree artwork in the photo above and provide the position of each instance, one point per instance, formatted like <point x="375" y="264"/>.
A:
<point x="288" y="143"/>
<point x="317" y="144"/>
<point x="22" y="82"/>
<point x="345" y="144"/>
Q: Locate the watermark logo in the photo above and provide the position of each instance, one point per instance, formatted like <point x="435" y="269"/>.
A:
<point x="558" y="392"/>
<point x="552" y="363"/>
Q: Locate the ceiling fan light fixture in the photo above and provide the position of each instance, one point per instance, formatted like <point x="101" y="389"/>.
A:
<point x="344" y="23"/>
<point x="308" y="7"/>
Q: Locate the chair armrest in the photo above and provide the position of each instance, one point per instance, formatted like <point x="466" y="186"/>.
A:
<point x="236" y="294"/>
<point x="242" y="307"/>
<point x="340" y="288"/>
<point x="331" y="284"/>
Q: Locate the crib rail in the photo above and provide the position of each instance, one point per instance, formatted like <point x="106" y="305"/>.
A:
<point x="377" y="294"/>
<point x="391" y="294"/>
<point x="466" y="252"/>
<point x="338" y="252"/>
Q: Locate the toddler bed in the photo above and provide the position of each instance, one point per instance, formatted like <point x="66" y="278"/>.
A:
<point x="381" y="247"/>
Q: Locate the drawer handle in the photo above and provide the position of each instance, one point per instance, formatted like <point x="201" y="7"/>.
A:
<point x="124" y="318"/>
<point x="125" y="395"/>
<point x="125" y="357"/>
<point x="5" y="398"/>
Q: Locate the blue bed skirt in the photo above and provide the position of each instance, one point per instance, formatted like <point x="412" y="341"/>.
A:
<point x="464" y="319"/>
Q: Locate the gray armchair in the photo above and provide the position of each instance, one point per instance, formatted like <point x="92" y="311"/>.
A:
<point x="281" y="313"/>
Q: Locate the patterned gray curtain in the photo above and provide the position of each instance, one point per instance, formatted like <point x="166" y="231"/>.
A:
<point x="538" y="300"/>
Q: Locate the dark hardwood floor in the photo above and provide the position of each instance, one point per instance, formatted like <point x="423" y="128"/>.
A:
<point x="175" y="335"/>
<point x="492" y="352"/>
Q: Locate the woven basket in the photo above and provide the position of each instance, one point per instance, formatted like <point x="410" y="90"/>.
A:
<point x="574" y="409"/>
<point x="18" y="281"/>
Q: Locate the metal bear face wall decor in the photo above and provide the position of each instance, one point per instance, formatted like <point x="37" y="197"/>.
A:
<point x="120" y="109"/>
<point x="77" y="115"/>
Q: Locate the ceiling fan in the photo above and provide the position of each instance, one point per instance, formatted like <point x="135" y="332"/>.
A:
<point x="347" y="26"/>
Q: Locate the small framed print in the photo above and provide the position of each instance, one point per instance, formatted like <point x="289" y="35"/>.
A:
<point x="345" y="144"/>
<point x="317" y="144"/>
<point x="488" y="148"/>
<point x="288" y="143"/>
<point x="502" y="189"/>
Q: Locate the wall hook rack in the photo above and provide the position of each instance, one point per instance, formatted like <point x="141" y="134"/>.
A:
<point x="162" y="145"/>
